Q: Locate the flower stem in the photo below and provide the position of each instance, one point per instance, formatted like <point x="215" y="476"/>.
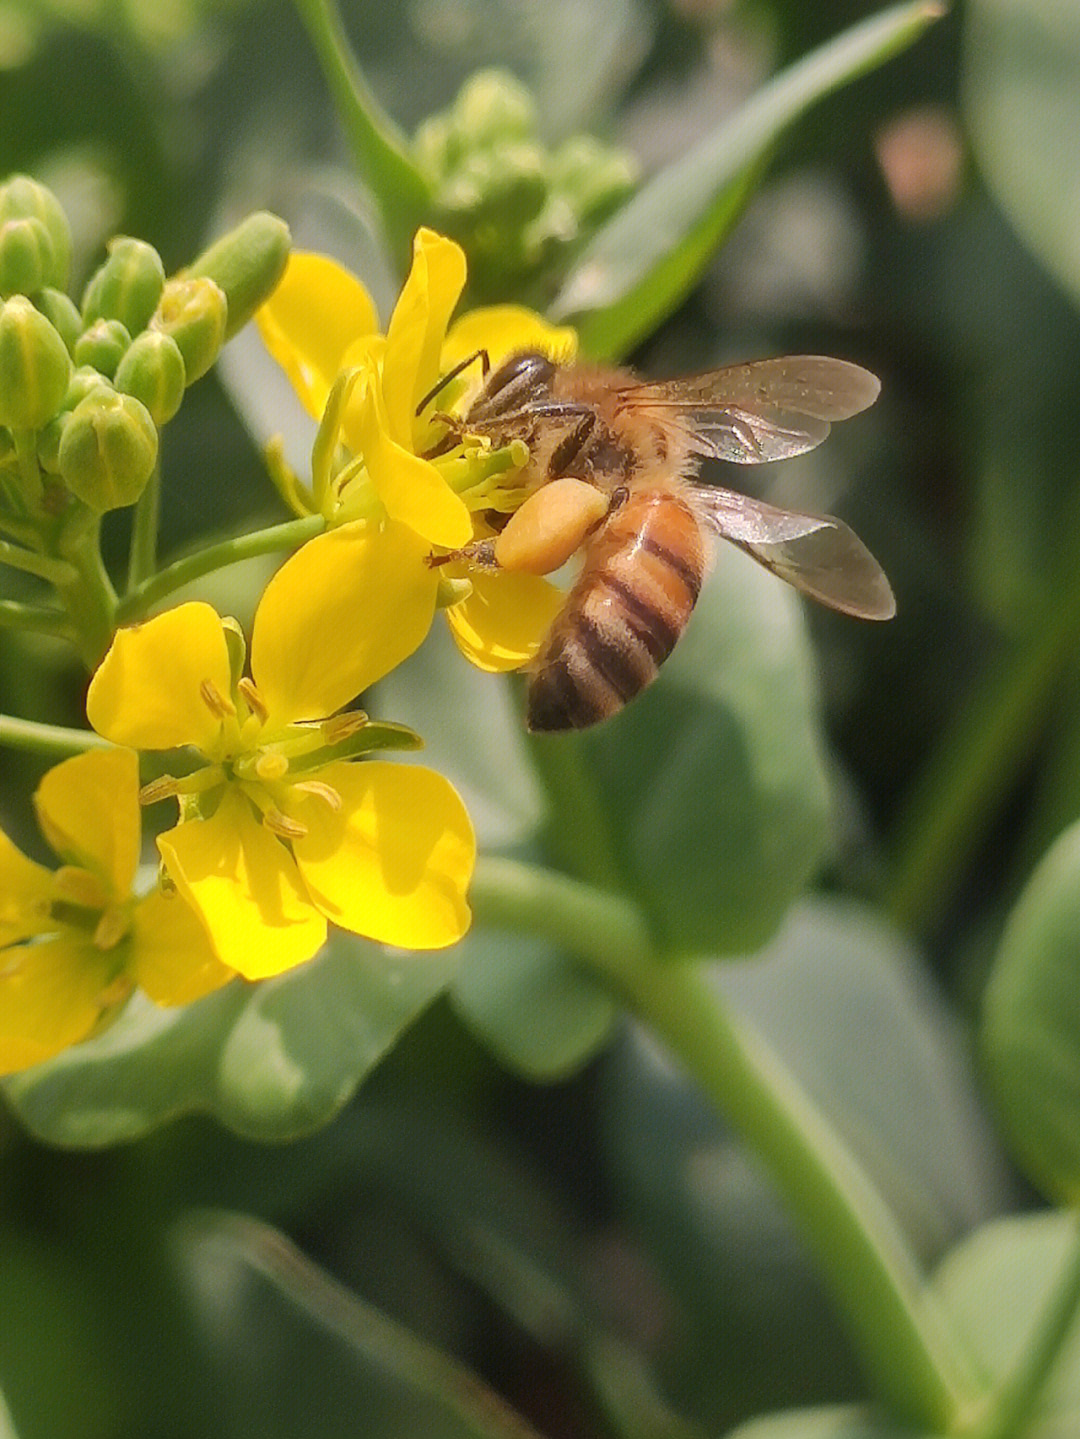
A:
<point x="44" y="566"/>
<point x="47" y="739"/>
<point x="34" y="620"/>
<point x="142" y="555"/>
<point x="379" y="149"/>
<point x="891" y="1314"/>
<point x="138" y="602"/>
<point x="88" y="598"/>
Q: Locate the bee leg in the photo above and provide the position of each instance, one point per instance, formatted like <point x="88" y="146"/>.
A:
<point x="480" y="554"/>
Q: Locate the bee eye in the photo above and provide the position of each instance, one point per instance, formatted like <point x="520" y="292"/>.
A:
<point x="512" y="384"/>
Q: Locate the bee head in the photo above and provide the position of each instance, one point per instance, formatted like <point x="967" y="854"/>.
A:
<point x="520" y="379"/>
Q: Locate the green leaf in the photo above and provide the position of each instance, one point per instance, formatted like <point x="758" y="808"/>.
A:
<point x="271" y="1061"/>
<point x="540" y="1013"/>
<point x="1031" y="1022"/>
<point x="639" y="266"/>
<point x="1021" y="60"/>
<point x="258" y="1298"/>
<point x="713" y="782"/>
<point x="1006" y="1284"/>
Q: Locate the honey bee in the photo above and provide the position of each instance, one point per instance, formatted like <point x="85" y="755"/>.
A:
<point x="613" y="471"/>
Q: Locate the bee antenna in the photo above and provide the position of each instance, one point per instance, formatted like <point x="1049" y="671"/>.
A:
<point x="485" y="366"/>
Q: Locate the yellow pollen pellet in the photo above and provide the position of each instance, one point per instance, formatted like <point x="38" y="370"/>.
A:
<point x="550" y="526"/>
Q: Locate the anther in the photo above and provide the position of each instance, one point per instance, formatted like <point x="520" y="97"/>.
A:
<point x="254" y="700"/>
<point x="281" y="825"/>
<point x="217" y="703"/>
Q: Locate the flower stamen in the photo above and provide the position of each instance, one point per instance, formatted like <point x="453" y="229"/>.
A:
<point x="219" y="705"/>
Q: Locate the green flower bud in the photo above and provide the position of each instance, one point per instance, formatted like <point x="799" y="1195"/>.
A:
<point x="34" y="366"/>
<point x="247" y="263"/>
<point x="127" y="287"/>
<point x="26" y="255"/>
<point x="84" y="381"/>
<point x="102" y="346"/>
<point x="23" y="198"/>
<point x="592" y="177"/>
<point x="153" y="371"/>
<point x="62" y="313"/>
<point x="194" y="313"/>
<point x="108" y="450"/>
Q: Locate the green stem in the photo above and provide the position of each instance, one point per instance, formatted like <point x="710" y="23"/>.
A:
<point x="138" y="602"/>
<point x="88" y="598"/>
<point x="1009" y="1411"/>
<point x="47" y="739"/>
<point x="142" y="555"/>
<point x="29" y="470"/>
<point x="904" y="1339"/>
<point x="56" y="572"/>
<point x="578" y="833"/>
<point x="976" y="763"/>
<point x="34" y="620"/>
<point x="379" y="148"/>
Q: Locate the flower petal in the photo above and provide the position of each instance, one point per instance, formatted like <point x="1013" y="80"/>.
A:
<point x="415" y="334"/>
<point x="244" y="887"/>
<point x="504" y="330"/>
<point x="146" y="692"/>
<point x="502" y="624"/>
<point x="310" y="320"/>
<point x="25" y="893"/>
<point x="88" y="809"/>
<point x="395" y="861"/>
<point x="343" y="611"/>
<point x="52" y="993"/>
<point x="411" y="489"/>
<point x="173" y="960"/>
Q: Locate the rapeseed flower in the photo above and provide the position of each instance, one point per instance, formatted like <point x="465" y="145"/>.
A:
<point x="287" y="824"/>
<point x="75" y="941"/>
<point x="384" y="476"/>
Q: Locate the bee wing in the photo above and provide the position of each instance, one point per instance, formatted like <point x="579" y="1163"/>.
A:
<point x="818" y="554"/>
<point x="765" y="410"/>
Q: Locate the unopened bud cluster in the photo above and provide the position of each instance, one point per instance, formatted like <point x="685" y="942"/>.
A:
<point x="512" y="202"/>
<point x="86" y="387"/>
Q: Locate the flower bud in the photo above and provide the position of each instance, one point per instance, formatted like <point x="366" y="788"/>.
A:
<point x="247" y="263"/>
<point x="84" y="381"/>
<point x="23" y="198"/>
<point x="153" y="371"/>
<point x="194" y="313"/>
<point x="127" y="287"/>
<point x="108" y="450"/>
<point x="62" y="313"/>
<point x="102" y="346"/>
<point x="34" y="366"/>
<point x="26" y="255"/>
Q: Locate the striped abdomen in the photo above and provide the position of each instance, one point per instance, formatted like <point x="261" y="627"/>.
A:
<point x="631" y="602"/>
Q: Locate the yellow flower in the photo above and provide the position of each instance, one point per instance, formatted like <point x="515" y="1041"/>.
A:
<point x="394" y="492"/>
<point x="76" y="941"/>
<point x="282" y="829"/>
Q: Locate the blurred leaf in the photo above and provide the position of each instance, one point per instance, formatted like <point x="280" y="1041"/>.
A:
<point x="1031" y="1022"/>
<point x="845" y="1001"/>
<point x="1002" y="1283"/>
<point x="647" y="258"/>
<point x="257" y="1297"/>
<point x="272" y="1061"/>
<point x="541" y="1014"/>
<point x="1021" y="62"/>
<point x="847" y="1422"/>
<point x="713" y="782"/>
<point x="842" y="1001"/>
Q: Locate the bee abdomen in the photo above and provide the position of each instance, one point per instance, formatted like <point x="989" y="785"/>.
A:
<point x="623" y="617"/>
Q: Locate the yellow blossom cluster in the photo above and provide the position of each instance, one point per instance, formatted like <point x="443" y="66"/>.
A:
<point x="287" y="822"/>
